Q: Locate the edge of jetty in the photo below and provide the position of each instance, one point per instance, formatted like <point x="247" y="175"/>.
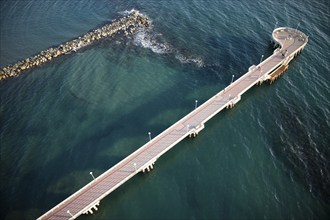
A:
<point x="128" y="25"/>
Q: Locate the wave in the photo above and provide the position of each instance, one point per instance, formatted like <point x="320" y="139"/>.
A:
<point x="150" y="39"/>
<point x="198" y="60"/>
<point x="129" y="12"/>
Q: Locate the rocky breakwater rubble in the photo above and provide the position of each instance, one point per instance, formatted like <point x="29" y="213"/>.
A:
<point x="127" y="25"/>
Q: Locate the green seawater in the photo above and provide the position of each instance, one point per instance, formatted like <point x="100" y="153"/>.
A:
<point x="267" y="158"/>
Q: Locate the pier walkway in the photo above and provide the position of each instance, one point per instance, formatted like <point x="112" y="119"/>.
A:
<point x="86" y="200"/>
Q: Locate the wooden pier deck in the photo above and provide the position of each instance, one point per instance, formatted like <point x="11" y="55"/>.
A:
<point x="86" y="200"/>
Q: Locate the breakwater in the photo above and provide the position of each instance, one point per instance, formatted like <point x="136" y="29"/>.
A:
<point x="127" y="25"/>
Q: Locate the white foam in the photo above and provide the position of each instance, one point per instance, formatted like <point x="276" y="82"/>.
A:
<point x="146" y="39"/>
<point x="183" y="59"/>
<point x="126" y="12"/>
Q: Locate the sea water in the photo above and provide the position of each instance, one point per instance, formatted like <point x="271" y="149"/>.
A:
<point x="267" y="158"/>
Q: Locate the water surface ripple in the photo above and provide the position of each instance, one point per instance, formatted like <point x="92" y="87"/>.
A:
<point x="267" y="158"/>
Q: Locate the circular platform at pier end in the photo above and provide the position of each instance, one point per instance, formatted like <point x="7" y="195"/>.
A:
<point x="290" y="39"/>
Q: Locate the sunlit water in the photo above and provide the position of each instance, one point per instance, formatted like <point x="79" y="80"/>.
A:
<point x="267" y="158"/>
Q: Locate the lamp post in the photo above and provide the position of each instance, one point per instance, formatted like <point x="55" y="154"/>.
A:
<point x="187" y="128"/>
<point x="134" y="166"/>
<point x="69" y="213"/>
<point x="262" y="56"/>
<point x="232" y="79"/>
<point x="196" y="102"/>
<point x="149" y="133"/>
<point x="91" y="173"/>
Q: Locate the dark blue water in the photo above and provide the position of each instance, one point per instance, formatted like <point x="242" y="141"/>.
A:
<point x="268" y="158"/>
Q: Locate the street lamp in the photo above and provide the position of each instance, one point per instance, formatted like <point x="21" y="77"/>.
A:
<point x="91" y="173"/>
<point x="196" y="101"/>
<point x="149" y="133"/>
<point x="69" y="213"/>
<point x="232" y="79"/>
<point x="134" y="166"/>
<point x="187" y="127"/>
<point x="262" y="56"/>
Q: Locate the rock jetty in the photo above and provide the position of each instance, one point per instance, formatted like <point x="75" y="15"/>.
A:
<point x="126" y="25"/>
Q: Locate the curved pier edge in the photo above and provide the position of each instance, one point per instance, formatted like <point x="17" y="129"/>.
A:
<point x="290" y="43"/>
<point x="281" y="35"/>
<point x="127" y="24"/>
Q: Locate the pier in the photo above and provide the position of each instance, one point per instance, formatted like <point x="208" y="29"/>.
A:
<point x="85" y="201"/>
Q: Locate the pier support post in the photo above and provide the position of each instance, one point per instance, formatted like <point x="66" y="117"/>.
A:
<point x="234" y="100"/>
<point x="90" y="210"/>
<point x="149" y="166"/>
